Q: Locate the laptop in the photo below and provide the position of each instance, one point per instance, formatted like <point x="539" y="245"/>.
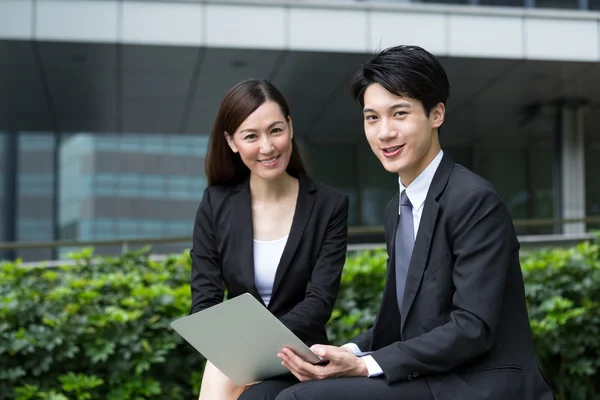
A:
<point x="242" y="338"/>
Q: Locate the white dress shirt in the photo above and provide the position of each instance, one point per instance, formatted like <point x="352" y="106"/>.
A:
<point x="416" y="192"/>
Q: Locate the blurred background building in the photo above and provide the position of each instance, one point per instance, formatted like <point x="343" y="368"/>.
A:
<point x="106" y="105"/>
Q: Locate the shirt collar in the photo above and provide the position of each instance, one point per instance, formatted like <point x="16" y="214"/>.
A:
<point x="417" y="190"/>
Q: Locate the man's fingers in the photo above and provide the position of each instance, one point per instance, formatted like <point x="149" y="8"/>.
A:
<point x="332" y="353"/>
<point x="302" y="376"/>
<point x="299" y="364"/>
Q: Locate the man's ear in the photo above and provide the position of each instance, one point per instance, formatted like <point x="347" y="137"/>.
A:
<point x="437" y="115"/>
<point x="230" y="142"/>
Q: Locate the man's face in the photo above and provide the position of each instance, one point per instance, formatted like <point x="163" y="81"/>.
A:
<point x="401" y="135"/>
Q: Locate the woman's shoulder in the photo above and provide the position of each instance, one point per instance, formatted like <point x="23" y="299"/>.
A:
<point x="216" y="194"/>
<point x="221" y="188"/>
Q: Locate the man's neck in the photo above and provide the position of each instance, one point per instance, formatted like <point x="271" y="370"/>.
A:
<point x="407" y="177"/>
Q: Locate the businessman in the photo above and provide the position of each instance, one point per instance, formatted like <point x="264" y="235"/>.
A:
<point x="453" y="322"/>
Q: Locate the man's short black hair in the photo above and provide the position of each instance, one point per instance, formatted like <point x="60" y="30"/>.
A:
<point x="407" y="71"/>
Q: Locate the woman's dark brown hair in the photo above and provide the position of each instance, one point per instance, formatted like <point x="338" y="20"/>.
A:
<point x="223" y="166"/>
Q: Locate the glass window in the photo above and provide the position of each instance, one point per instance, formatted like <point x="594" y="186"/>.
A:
<point x="34" y="229"/>
<point x="523" y="178"/>
<point x="592" y="166"/>
<point x="153" y="144"/>
<point x="541" y="170"/>
<point x="153" y="186"/>
<point x="106" y="142"/>
<point x="198" y="186"/>
<point x="335" y="165"/>
<point x="200" y="142"/>
<point x="502" y="3"/>
<point x="461" y="155"/>
<point x="33" y="141"/>
<point x="377" y="188"/>
<point x="104" y="178"/>
<point x="151" y="228"/>
<point x="153" y="182"/>
<point x="103" y="226"/>
<point x="177" y="228"/>
<point x="129" y="143"/>
<point x="179" y="187"/>
<point x="504" y="169"/>
<point x="446" y="1"/>
<point x="179" y="183"/>
<point x="34" y="194"/>
<point x="85" y="230"/>
<point x="126" y="179"/>
<point x="180" y="145"/>
<point x="36" y="184"/>
<point x="128" y="185"/>
<point x="126" y="227"/>
<point x="106" y="236"/>
<point x="104" y="190"/>
<point x="561" y="4"/>
<point x="2" y="189"/>
<point x="128" y="191"/>
<point x="69" y="231"/>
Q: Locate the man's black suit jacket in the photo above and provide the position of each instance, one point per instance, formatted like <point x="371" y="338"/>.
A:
<point x="464" y="325"/>
<point x="308" y="276"/>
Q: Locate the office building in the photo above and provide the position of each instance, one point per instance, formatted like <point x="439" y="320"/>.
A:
<point x="522" y="109"/>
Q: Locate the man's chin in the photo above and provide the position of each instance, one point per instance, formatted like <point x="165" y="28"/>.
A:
<point x="392" y="167"/>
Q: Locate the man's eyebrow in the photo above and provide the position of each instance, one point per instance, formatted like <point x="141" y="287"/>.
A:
<point x="400" y="105"/>
<point x="393" y="107"/>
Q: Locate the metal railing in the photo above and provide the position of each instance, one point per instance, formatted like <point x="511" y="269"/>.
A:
<point x="126" y="243"/>
<point x="571" y="4"/>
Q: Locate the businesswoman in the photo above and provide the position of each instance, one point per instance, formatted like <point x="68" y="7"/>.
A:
<point x="265" y="228"/>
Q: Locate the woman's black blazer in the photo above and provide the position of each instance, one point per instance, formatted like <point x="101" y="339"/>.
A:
<point x="308" y="276"/>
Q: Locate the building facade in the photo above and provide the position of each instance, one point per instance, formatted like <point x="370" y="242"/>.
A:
<point x="106" y="105"/>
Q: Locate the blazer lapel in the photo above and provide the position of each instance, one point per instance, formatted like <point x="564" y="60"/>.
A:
<point x="304" y="206"/>
<point x="390" y="315"/>
<point x="425" y="233"/>
<point x="241" y="207"/>
<point x="391" y="225"/>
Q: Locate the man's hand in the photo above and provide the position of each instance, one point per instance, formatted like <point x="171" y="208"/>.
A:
<point x="342" y="362"/>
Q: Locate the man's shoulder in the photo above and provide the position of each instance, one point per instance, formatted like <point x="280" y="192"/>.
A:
<point x="463" y="181"/>
<point x="467" y="191"/>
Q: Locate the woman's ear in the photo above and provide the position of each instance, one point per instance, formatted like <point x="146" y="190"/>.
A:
<point x="291" y="127"/>
<point x="230" y="142"/>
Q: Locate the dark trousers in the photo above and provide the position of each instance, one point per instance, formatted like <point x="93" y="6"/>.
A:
<point x="269" y="388"/>
<point x="357" y="389"/>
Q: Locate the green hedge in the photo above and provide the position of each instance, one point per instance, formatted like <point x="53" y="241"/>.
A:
<point x="100" y="329"/>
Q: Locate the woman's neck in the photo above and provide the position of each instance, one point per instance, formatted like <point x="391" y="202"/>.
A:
<point x="271" y="190"/>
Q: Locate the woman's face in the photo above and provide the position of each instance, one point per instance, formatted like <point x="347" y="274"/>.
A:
<point x="264" y="141"/>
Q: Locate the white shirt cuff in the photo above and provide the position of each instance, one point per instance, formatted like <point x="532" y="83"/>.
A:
<point x="352" y="347"/>
<point x="372" y="367"/>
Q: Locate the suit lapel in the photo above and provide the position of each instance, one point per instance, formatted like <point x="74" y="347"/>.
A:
<point x="304" y="206"/>
<point x="391" y="225"/>
<point x="419" y="256"/>
<point x="425" y="233"/>
<point x="244" y="235"/>
<point x="391" y="319"/>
